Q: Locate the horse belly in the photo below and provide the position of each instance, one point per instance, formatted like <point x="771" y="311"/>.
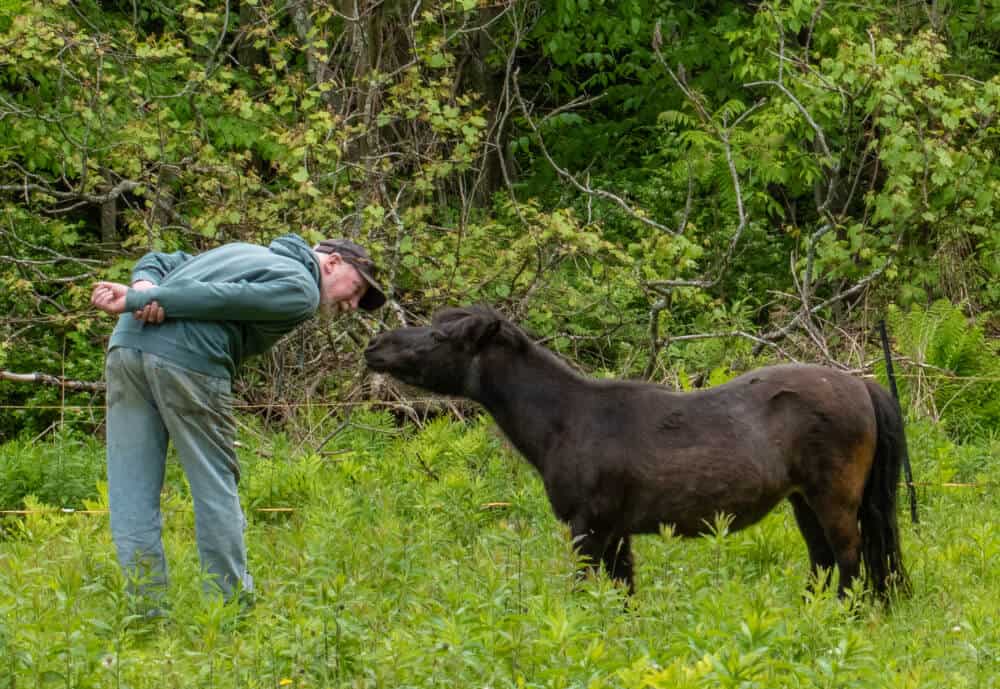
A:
<point x="692" y="494"/>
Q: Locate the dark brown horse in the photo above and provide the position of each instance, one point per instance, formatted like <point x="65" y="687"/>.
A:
<point x="620" y="458"/>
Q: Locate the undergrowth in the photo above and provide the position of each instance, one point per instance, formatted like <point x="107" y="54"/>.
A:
<point x="418" y="558"/>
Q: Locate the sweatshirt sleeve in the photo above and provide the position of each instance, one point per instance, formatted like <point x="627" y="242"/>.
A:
<point x="155" y="266"/>
<point x="288" y="298"/>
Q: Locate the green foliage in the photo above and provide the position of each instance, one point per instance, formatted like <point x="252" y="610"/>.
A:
<point x="943" y="459"/>
<point x="862" y="138"/>
<point x="869" y="149"/>
<point x="50" y="314"/>
<point x="62" y="471"/>
<point x="213" y="127"/>
<point x="431" y="557"/>
<point x="952" y="371"/>
<point x="772" y="157"/>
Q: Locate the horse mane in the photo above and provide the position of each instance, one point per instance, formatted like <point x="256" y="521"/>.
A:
<point x="509" y="334"/>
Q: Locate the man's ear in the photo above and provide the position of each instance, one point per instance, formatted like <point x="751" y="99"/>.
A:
<point x="329" y="262"/>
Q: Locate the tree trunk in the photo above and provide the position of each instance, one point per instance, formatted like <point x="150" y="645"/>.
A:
<point x="301" y="12"/>
<point x="109" y="214"/>
<point x="163" y="205"/>
<point x="489" y="84"/>
<point x="246" y="54"/>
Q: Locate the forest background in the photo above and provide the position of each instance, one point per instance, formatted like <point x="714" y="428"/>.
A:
<point x="670" y="190"/>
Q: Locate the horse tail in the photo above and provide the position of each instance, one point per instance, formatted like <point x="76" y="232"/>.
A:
<point x="880" y="547"/>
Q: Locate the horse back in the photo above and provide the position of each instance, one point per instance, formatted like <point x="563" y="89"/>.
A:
<point x="653" y="456"/>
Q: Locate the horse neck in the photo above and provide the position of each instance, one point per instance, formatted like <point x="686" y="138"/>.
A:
<point x="531" y="396"/>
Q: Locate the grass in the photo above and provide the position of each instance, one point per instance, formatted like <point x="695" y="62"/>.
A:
<point x="431" y="558"/>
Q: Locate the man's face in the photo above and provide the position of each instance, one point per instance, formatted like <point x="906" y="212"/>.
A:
<point x="342" y="285"/>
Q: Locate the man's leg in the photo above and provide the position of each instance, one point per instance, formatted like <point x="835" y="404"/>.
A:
<point x="197" y="410"/>
<point x="136" y="454"/>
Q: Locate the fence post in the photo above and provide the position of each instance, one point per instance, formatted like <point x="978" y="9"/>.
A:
<point x="895" y="395"/>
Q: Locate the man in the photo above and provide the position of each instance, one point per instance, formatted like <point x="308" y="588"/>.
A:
<point x="186" y="324"/>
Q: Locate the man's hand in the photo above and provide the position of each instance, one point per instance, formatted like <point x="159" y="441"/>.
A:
<point x="110" y="298"/>
<point x="151" y="312"/>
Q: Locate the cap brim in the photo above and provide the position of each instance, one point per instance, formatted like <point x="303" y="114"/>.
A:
<point x="373" y="297"/>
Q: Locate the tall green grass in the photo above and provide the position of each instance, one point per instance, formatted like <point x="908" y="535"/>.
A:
<point x="430" y="558"/>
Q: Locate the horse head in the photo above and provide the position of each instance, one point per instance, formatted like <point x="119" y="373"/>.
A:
<point x="438" y="357"/>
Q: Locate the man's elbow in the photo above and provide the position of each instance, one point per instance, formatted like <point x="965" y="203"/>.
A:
<point x="302" y="308"/>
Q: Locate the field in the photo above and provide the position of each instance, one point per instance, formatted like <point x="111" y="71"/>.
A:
<point x="429" y="558"/>
<point x="667" y="190"/>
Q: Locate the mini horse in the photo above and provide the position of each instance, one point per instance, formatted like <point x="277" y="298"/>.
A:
<point x="620" y="458"/>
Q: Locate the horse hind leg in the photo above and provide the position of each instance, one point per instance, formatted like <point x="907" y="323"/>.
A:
<point x="821" y="557"/>
<point x="840" y="525"/>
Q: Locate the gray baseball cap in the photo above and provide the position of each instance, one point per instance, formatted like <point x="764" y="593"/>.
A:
<point x="354" y="254"/>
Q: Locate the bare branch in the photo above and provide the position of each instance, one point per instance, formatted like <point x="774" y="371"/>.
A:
<point x="797" y="321"/>
<point x="724" y="133"/>
<point x="565" y="174"/>
<point x="661" y="286"/>
<point x="806" y="287"/>
<point x="820" y="136"/>
<point x="126" y="185"/>
<point x="46" y="379"/>
<point x="687" y="202"/>
<point x="56" y="256"/>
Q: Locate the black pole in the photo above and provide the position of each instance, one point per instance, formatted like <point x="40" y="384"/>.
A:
<point x="895" y="395"/>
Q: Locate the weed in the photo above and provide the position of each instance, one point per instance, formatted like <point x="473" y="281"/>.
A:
<point x="431" y="558"/>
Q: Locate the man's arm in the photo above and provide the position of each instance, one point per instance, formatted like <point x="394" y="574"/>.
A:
<point x="155" y="266"/>
<point x="148" y="272"/>
<point x="151" y="312"/>
<point x="288" y="298"/>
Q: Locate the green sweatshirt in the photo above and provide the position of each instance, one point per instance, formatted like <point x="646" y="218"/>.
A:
<point x="221" y="306"/>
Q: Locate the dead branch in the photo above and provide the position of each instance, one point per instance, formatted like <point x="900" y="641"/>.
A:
<point x="567" y="175"/>
<point x="46" y="379"/>
<point x="126" y="185"/>
<point x="724" y="133"/>
<point x="798" y="321"/>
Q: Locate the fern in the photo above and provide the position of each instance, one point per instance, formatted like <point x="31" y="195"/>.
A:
<point x="951" y="371"/>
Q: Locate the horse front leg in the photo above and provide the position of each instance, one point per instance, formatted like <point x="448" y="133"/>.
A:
<point x="598" y="546"/>
<point x="618" y="561"/>
<point x="589" y="546"/>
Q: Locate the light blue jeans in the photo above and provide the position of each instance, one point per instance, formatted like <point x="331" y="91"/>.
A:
<point x="151" y="400"/>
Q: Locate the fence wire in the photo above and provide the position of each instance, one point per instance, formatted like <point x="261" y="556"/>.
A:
<point x="443" y="400"/>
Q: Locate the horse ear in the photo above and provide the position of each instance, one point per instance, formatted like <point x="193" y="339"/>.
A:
<point x="487" y="333"/>
<point x="475" y="329"/>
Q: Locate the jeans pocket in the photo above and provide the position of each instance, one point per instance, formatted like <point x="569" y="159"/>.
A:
<point x="192" y="392"/>
<point x="122" y="375"/>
